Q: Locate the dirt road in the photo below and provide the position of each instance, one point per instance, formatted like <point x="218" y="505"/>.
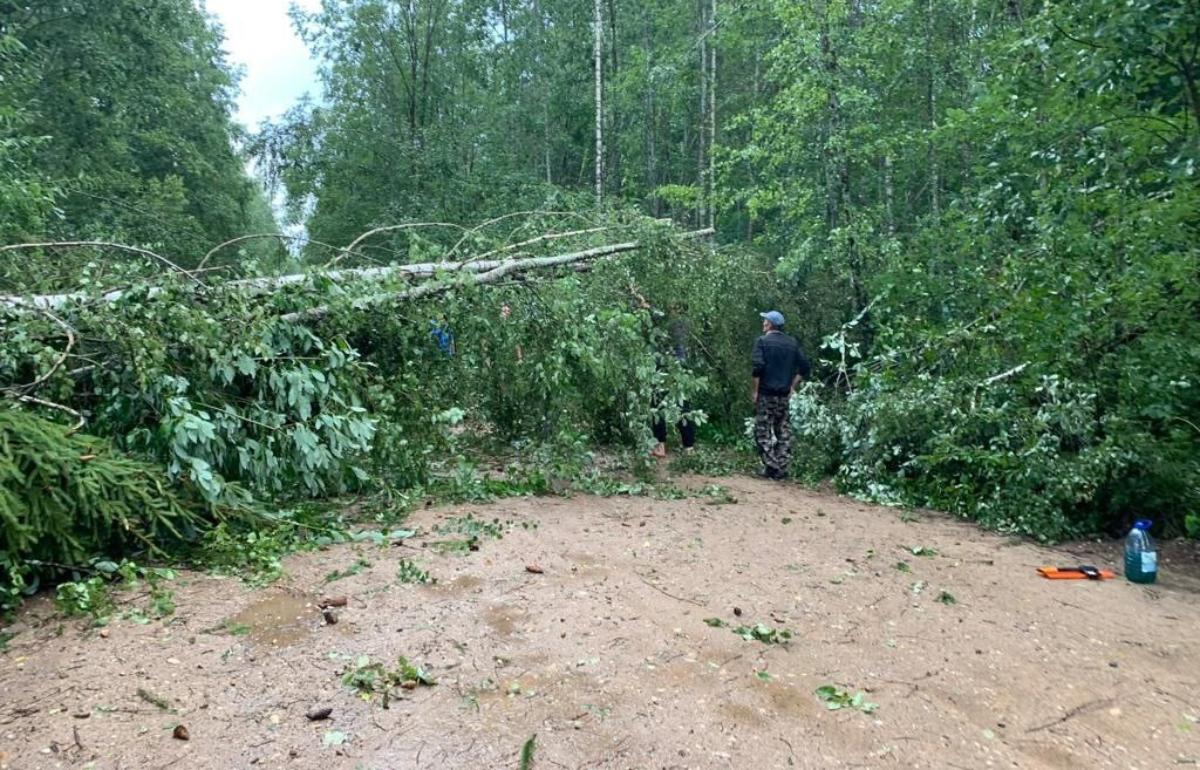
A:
<point x="972" y="659"/>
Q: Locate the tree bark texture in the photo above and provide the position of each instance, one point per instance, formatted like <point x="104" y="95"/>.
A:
<point x="598" y="56"/>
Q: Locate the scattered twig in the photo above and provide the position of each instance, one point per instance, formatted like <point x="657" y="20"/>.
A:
<point x="788" y="743"/>
<point x="664" y="592"/>
<point x="1082" y="708"/>
<point x="154" y="700"/>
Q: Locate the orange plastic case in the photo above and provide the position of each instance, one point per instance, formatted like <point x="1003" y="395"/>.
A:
<point x="1073" y="573"/>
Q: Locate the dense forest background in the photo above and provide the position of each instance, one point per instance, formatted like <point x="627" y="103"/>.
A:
<point x="980" y="216"/>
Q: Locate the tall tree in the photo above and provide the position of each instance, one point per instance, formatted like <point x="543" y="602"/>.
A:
<point x="134" y="100"/>
<point x="598" y="56"/>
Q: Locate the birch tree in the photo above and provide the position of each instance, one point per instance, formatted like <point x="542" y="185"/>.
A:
<point x="598" y="56"/>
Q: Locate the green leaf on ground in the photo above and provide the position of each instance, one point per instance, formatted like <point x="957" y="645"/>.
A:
<point x="761" y="632"/>
<point x="527" y="752"/>
<point x="835" y="699"/>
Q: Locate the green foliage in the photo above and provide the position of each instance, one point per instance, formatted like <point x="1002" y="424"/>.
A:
<point x="527" y="753"/>
<point x="996" y="234"/>
<point x="409" y="571"/>
<point x="254" y="549"/>
<point x="91" y="597"/>
<point x="26" y="199"/>
<point x="226" y="396"/>
<point x="984" y="224"/>
<point x="370" y="678"/>
<point x="354" y="569"/>
<point x="95" y="596"/>
<point x="759" y="632"/>
<point x="67" y="498"/>
<point x="836" y="699"/>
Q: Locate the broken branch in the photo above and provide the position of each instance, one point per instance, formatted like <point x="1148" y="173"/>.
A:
<point x="102" y="245"/>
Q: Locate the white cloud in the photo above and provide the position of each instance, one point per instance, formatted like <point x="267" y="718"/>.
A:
<point x="277" y="67"/>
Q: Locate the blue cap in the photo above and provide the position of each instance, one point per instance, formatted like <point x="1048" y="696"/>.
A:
<point x="1143" y="524"/>
<point x="774" y="317"/>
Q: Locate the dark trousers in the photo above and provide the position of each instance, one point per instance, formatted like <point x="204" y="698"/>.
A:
<point x="687" y="429"/>
<point x="773" y="432"/>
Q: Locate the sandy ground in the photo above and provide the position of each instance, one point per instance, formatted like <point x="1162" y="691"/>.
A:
<point x="605" y="656"/>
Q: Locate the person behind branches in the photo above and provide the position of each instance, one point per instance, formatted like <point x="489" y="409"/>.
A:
<point x="678" y="331"/>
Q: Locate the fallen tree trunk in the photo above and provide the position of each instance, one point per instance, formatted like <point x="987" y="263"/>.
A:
<point x="480" y="272"/>
<point x="482" y="268"/>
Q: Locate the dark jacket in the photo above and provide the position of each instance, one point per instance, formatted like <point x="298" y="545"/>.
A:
<point x="777" y="360"/>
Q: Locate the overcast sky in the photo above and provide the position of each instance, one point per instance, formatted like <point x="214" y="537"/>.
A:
<point x="276" y="66"/>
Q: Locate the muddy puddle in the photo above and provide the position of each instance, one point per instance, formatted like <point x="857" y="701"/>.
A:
<point x="459" y="586"/>
<point x="279" y="621"/>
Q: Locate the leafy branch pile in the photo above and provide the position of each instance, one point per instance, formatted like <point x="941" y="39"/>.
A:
<point x="235" y="395"/>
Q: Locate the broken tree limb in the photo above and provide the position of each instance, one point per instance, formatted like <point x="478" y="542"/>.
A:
<point x="488" y="272"/>
<point x="80" y="420"/>
<point x="101" y="245"/>
<point x="262" y="236"/>
<point x="513" y="215"/>
<point x="538" y="239"/>
<point x="272" y="283"/>
<point x="390" y="228"/>
<point x="62" y="358"/>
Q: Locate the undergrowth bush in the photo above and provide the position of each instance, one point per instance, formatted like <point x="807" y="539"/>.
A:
<point x="1028" y="456"/>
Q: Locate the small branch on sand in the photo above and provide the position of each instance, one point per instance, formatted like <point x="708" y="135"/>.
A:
<point x="1082" y="708"/>
<point x="664" y="592"/>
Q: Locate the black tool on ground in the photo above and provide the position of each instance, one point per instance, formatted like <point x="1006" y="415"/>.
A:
<point x="1081" y="572"/>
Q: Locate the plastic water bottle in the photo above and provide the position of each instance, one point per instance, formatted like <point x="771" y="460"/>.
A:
<point x="1141" y="557"/>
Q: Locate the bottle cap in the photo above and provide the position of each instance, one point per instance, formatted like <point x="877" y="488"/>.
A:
<point x="1143" y="524"/>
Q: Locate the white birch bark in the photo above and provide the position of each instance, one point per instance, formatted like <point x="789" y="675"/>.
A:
<point x="598" y="56"/>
